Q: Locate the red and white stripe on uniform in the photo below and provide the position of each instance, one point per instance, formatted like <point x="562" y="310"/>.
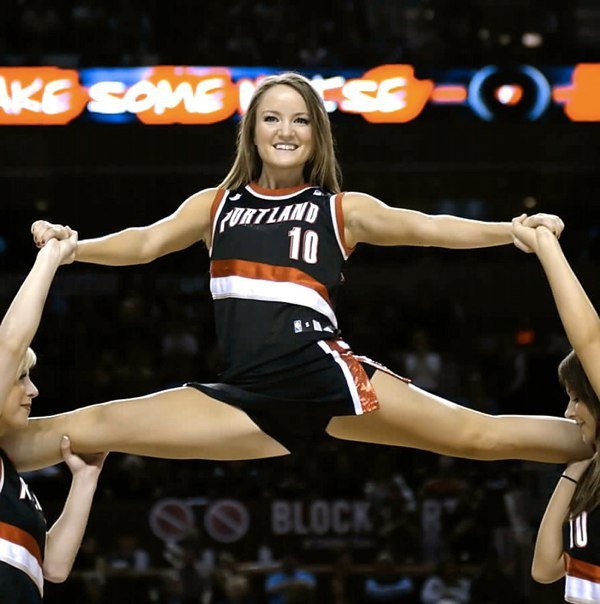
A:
<point x="582" y="582"/>
<point x="270" y="283"/>
<point x="19" y="549"/>
<point x="360" y="388"/>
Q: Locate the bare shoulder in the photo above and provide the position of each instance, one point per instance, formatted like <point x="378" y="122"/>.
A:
<point x="197" y="208"/>
<point x="356" y="198"/>
<point x="202" y="198"/>
<point x="357" y="207"/>
<point x="356" y="203"/>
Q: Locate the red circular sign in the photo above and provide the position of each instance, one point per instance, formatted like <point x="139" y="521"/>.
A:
<point x="172" y="519"/>
<point x="226" y="520"/>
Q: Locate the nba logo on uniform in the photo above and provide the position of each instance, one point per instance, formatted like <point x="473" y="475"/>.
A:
<point x="297" y="326"/>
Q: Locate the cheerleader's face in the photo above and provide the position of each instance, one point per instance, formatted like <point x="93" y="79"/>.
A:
<point x="580" y="413"/>
<point x="283" y="132"/>
<point x="17" y="406"/>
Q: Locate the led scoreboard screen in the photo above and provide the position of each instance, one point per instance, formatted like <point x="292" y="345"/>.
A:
<point x="383" y="94"/>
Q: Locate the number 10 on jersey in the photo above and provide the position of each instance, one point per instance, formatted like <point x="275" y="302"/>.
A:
<point x="306" y="243"/>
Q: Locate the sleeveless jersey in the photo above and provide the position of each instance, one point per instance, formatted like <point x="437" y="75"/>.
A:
<point x="22" y="538"/>
<point x="583" y="558"/>
<point x="276" y="261"/>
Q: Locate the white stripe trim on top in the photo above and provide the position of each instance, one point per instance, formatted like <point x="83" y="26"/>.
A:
<point x="261" y="196"/>
<point x="347" y="374"/>
<point x="580" y="591"/>
<point x="270" y="291"/>
<point x="332" y="207"/>
<point x="2" y="472"/>
<point x="19" y="557"/>
<point x="216" y="219"/>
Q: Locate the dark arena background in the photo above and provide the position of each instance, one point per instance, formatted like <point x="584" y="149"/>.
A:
<point x="481" y="108"/>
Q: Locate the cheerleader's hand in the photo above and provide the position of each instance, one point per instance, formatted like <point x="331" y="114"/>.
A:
<point x="43" y="231"/>
<point x="89" y="465"/>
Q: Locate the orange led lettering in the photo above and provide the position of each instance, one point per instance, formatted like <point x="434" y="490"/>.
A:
<point x="582" y="98"/>
<point x="179" y="95"/>
<point x="330" y="90"/>
<point x="40" y="95"/>
<point x="107" y="97"/>
<point x="387" y="94"/>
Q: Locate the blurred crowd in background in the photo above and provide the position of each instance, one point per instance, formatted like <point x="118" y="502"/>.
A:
<point x="309" y="34"/>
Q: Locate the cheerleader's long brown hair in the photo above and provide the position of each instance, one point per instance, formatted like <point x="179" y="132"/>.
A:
<point x="321" y="170"/>
<point x="573" y="377"/>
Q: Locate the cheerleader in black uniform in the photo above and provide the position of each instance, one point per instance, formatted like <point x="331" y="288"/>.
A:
<point x="29" y="553"/>
<point x="568" y="542"/>
<point x="278" y="230"/>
